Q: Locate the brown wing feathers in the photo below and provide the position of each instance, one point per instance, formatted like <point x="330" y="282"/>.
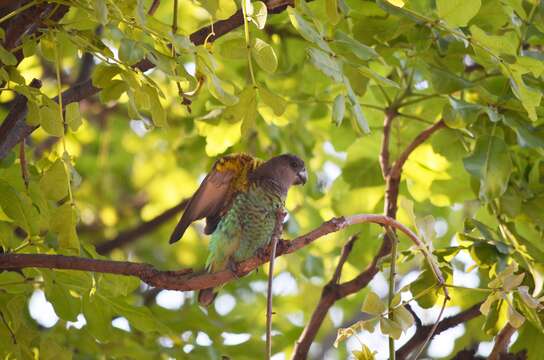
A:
<point x="207" y="202"/>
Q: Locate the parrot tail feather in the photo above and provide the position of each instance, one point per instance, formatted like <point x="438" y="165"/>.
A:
<point x="206" y="296"/>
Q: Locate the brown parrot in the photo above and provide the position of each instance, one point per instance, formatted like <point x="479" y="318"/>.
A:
<point x="240" y="198"/>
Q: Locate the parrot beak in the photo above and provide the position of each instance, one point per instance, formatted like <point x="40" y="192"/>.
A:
<point x="302" y="177"/>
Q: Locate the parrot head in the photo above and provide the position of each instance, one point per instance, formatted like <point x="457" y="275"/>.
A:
<point x="283" y="170"/>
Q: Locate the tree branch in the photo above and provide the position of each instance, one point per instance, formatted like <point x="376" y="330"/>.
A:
<point x="128" y="236"/>
<point x="423" y="332"/>
<point x="502" y="340"/>
<point x="186" y="279"/>
<point x="19" y="129"/>
<point x="384" y="153"/>
<point x="332" y="293"/>
<point x="396" y="169"/>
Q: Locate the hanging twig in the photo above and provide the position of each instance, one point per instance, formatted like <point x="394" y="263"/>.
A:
<point x="433" y="329"/>
<point x="280" y="216"/>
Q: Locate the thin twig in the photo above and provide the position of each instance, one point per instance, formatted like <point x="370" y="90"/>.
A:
<point x="391" y="294"/>
<point x="280" y="215"/>
<point x="346" y="250"/>
<point x="433" y="329"/>
<point x="422" y="332"/>
<point x="12" y="334"/>
<point x="154" y="6"/>
<point x="22" y="162"/>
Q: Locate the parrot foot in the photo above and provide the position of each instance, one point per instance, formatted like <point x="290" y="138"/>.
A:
<point x="233" y="267"/>
<point x="262" y="254"/>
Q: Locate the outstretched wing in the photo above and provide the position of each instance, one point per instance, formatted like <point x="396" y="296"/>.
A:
<point x="228" y="176"/>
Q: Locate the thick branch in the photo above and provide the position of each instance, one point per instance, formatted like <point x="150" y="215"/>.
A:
<point x="186" y="279"/>
<point x="128" y="236"/>
<point x="421" y="333"/>
<point x="19" y="129"/>
<point x="502" y="340"/>
<point x="332" y="293"/>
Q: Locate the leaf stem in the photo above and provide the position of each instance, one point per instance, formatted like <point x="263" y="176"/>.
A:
<point x="248" y="44"/>
<point x="65" y="155"/>
<point x="391" y="295"/>
<point x="431" y="333"/>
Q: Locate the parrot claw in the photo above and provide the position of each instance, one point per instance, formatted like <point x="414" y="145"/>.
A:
<point x="233" y="267"/>
<point x="262" y="254"/>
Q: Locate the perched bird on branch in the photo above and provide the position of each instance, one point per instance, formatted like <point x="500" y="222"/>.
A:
<point x="240" y="198"/>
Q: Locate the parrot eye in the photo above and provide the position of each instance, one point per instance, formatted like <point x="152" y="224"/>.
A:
<point x="293" y="164"/>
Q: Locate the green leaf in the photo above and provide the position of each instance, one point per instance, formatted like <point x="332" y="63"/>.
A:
<point x="103" y="74"/>
<point x="158" y="113"/>
<point x="14" y="283"/>
<point x="403" y="317"/>
<point x="276" y="102"/>
<point x="63" y="223"/>
<point x="130" y="52"/>
<point x="114" y="90"/>
<point x="73" y="117"/>
<point x="66" y="304"/>
<point x="51" y="350"/>
<point x="51" y="121"/>
<point x="457" y="12"/>
<point x="19" y="208"/>
<point x="331" y="9"/>
<point x="364" y="354"/>
<point x="324" y="62"/>
<point x="234" y="49"/>
<point x="506" y="44"/>
<point x="305" y="29"/>
<point x="101" y="10"/>
<point x="265" y="56"/>
<point x="116" y="285"/>
<point x="359" y="49"/>
<point x="216" y="89"/>
<point x="371" y="74"/>
<point x="338" y="109"/>
<point x="529" y="340"/>
<point x="98" y="315"/>
<point x="515" y="318"/>
<point x="390" y="328"/>
<point x="530" y="98"/>
<point x="373" y="304"/>
<point x="260" y="12"/>
<point x="493" y="322"/>
<point x="527" y="135"/>
<point x="490" y="162"/>
<point x="425" y="284"/>
<point x="33" y="117"/>
<point x="54" y="182"/>
<point x="361" y="124"/>
<point x="313" y="266"/>
<point x="139" y="317"/>
<point x="6" y="57"/>
<point x="458" y="114"/>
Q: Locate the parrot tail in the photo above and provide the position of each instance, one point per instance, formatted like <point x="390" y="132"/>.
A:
<point x="206" y="296"/>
